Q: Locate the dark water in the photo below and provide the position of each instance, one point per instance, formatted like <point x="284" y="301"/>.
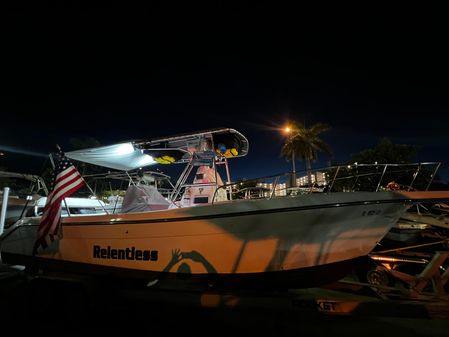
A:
<point x="60" y="310"/>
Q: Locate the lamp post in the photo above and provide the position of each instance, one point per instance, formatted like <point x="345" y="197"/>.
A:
<point x="288" y="130"/>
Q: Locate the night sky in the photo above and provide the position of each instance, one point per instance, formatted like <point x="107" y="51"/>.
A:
<point x="115" y="74"/>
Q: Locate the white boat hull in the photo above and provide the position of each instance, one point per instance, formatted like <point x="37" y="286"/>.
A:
<point x="229" y="239"/>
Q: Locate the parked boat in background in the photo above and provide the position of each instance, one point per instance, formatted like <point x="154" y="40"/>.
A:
<point x="417" y="226"/>
<point x="213" y="230"/>
<point x="18" y="193"/>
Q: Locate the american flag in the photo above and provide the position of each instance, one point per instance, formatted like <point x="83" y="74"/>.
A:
<point x="66" y="181"/>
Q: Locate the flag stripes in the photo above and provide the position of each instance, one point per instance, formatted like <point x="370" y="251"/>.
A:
<point x="67" y="181"/>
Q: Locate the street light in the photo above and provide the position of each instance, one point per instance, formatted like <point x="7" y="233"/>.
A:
<point x="288" y="130"/>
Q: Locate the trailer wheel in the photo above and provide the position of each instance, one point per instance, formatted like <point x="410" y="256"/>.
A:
<point x="378" y="277"/>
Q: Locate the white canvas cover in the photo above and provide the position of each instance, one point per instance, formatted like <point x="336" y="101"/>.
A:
<point x="123" y="156"/>
<point x="133" y="155"/>
<point x="143" y="198"/>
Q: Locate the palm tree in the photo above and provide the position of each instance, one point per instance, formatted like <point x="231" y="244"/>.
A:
<point x="305" y="144"/>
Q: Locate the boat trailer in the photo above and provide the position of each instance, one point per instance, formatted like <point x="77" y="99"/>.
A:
<point x="406" y="273"/>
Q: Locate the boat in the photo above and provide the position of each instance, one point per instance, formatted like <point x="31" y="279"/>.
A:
<point x="210" y="229"/>
<point x="18" y="193"/>
<point x="27" y="195"/>
<point x="417" y="226"/>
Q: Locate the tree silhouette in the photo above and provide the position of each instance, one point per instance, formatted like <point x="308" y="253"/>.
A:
<point x="386" y="152"/>
<point x="305" y="144"/>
